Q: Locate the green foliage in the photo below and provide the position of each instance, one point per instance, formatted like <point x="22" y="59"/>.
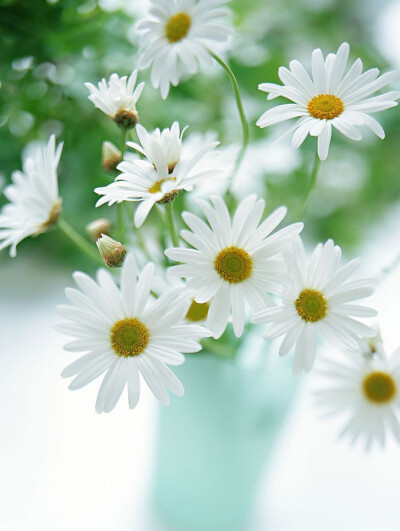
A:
<point x="49" y="49"/>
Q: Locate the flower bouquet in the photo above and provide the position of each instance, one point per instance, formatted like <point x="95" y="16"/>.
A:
<point x="191" y="272"/>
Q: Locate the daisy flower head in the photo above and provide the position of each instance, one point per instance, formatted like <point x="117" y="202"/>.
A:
<point x="126" y="333"/>
<point x="362" y="386"/>
<point x="166" y="169"/>
<point x="232" y="261"/>
<point x="118" y="98"/>
<point x="331" y="97"/>
<point x="177" y="35"/>
<point x="198" y="311"/>
<point x="318" y="297"/>
<point x="34" y="204"/>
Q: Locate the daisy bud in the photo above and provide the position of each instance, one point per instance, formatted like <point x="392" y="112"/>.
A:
<point x="126" y="119"/>
<point x="96" y="228"/>
<point x="112" y="252"/>
<point x="111" y="156"/>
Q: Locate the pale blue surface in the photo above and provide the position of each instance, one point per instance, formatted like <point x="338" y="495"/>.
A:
<point x="213" y="443"/>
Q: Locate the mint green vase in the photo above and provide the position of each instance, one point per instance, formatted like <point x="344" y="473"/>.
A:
<point x="213" y="443"/>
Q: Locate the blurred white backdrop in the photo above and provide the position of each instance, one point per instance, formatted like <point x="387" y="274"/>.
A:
<point x="64" y="467"/>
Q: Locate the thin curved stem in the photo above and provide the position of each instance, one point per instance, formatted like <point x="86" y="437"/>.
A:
<point x="310" y="187"/>
<point x="123" y="141"/>
<point x="170" y="221"/>
<point x="120" y="208"/>
<point x="78" y="240"/>
<point x="387" y="271"/>
<point x="239" y="104"/>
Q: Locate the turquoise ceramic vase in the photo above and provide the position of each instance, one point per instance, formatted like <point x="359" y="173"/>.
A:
<point x="213" y="443"/>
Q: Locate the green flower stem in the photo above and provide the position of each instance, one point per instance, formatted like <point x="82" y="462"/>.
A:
<point x="120" y="222"/>
<point x="387" y="271"/>
<point x="238" y="98"/>
<point x="239" y="104"/>
<point x="120" y="208"/>
<point x="310" y="187"/>
<point x="123" y="141"/>
<point x="80" y="242"/>
<point x="170" y="221"/>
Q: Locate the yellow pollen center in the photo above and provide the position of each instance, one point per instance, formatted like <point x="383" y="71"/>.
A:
<point x="156" y="187"/>
<point x="379" y="387"/>
<point x="325" y="106"/>
<point x="198" y="311"/>
<point x="177" y="27"/>
<point x="233" y="264"/>
<point x="129" y="337"/>
<point x="311" y="305"/>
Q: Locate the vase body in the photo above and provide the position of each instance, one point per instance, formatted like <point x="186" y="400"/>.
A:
<point x="213" y="443"/>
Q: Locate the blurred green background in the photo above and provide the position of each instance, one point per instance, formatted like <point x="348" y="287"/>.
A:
<point x="49" y="49"/>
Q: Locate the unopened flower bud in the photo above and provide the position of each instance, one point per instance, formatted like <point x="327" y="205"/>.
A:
<point x="111" y="156"/>
<point x="98" y="227"/>
<point x="112" y="252"/>
<point x="126" y="118"/>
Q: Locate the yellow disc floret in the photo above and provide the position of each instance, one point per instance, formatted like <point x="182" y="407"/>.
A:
<point x="156" y="187"/>
<point x="129" y="337"/>
<point x="379" y="387"/>
<point x="177" y="27"/>
<point x="233" y="264"/>
<point x="325" y="106"/>
<point x="311" y="305"/>
<point x="198" y="311"/>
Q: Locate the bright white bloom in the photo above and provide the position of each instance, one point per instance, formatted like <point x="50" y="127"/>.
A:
<point x="34" y="201"/>
<point x="125" y="333"/>
<point x="117" y="98"/>
<point x="177" y="35"/>
<point x="232" y="261"/>
<point x="221" y="160"/>
<point x="159" y="178"/>
<point x="318" y="297"/>
<point x="364" y="388"/>
<point x="330" y="98"/>
<point x="197" y="312"/>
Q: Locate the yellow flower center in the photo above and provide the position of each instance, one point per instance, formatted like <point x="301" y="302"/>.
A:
<point x="198" y="311"/>
<point x="177" y="27"/>
<point x="233" y="264"/>
<point x="129" y="337"/>
<point x="311" y="305"/>
<point x="325" y="106"/>
<point x="379" y="387"/>
<point x="156" y="187"/>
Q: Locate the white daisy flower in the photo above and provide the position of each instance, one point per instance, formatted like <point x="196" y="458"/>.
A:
<point x="167" y="169"/>
<point x="177" y="35"/>
<point x="365" y="389"/>
<point x="197" y="312"/>
<point x="317" y="297"/>
<point x="125" y="333"/>
<point x="118" y="98"/>
<point x="329" y="98"/>
<point x="34" y="201"/>
<point x="232" y="261"/>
